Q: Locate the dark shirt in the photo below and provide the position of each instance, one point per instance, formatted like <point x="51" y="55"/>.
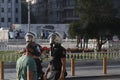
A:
<point x="57" y="54"/>
<point x="39" y="68"/>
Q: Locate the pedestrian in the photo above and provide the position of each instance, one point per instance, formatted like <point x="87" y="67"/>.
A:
<point x="57" y="64"/>
<point x="26" y="66"/>
<point x="64" y="35"/>
<point x="38" y="51"/>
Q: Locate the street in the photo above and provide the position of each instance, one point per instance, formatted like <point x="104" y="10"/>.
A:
<point x="81" y="73"/>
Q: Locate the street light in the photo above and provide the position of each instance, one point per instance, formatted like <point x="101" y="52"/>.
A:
<point x="29" y="2"/>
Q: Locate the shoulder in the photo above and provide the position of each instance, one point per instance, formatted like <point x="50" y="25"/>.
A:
<point x="30" y="61"/>
<point x="19" y="60"/>
<point x="62" y="48"/>
<point x="37" y="44"/>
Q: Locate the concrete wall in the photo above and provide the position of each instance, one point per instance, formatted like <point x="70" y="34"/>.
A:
<point x="3" y="35"/>
<point x="38" y="28"/>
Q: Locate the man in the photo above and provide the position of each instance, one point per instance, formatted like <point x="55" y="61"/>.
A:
<point x="57" y="65"/>
<point x="26" y="66"/>
<point x="38" y="51"/>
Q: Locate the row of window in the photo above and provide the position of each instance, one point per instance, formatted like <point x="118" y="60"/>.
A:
<point x="9" y="20"/>
<point x="9" y="1"/>
<point x="9" y="10"/>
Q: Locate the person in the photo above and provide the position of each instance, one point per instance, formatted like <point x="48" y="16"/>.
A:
<point x="26" y="66"/>
<point x="30" y="37"/>
<point x="64" y="35"/>
<point x="57" y="64"/>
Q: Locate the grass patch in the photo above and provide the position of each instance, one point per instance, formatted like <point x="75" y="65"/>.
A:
<point x="7" y="52"/>
<point x="9" y="56"/>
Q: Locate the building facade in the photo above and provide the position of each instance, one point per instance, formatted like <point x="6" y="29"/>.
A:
<point x="55" y="11"/>
<point x="58" y="11"/>
<point x="10" y="13"/>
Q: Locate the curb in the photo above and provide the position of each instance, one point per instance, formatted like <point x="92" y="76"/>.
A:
<point x="93" y="77"/>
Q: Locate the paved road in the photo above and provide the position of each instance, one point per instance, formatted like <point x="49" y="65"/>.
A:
<point x="81" y="73"/>
<point x="95" y="73"/>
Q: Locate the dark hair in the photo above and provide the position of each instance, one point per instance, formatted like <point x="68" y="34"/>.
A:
<point x="32" y="47"/>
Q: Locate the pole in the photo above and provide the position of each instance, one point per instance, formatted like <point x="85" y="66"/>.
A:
<point x="105" y="65"/>
<point x="72" y="67"/>
<point x="1" y="70"/>
<point x="29" y="15"/>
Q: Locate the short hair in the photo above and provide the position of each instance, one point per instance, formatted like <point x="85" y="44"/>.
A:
<point x="30" y="47"/>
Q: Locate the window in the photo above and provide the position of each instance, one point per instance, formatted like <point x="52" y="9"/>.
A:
<point x="16" y="10"/>
<point x="2" y="9"/>
<point x="16" y="1"/>
<point x="9" y="19"/>
<point x="16" y="20"/>
<point x="9" y="10"/>
<point x="2" y="19"/>
<point x="9" y="1"/>
<point x="2" y="1"/>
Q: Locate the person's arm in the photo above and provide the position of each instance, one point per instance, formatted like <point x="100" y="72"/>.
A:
<point x="63" y="60"/>
<point x="29" y="75"/>
<point x="46" y="72"/>
<point x="17" y="75"/>
<point x="17" y="69"/>
<point x="22" y="51"/>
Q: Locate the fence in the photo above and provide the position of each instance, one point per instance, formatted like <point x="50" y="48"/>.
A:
<point x="9" y="57"/>
<point x="77" y="56"/>
<point x="113" y="50"/>
<point x="93" y="55"/>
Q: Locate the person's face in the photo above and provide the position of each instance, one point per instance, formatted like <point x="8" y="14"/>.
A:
<point x="29" y="38"/>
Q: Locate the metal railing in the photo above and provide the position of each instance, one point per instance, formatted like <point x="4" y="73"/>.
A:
<point x="76" y="56"/>
<point x="113" y="49"/>
<point x="93" y="55"/>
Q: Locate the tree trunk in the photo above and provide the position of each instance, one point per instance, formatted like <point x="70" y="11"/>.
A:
<point x="100" y="42"/>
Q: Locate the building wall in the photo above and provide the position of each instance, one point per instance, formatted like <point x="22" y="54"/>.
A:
<point x="10" y="13"/>
<point x="38" y="28"/>
<point x="3" y="35"/>
<point x="59" y="11"/>
<point x="55" y="11"/>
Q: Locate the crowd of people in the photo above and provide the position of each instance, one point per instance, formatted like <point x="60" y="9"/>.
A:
<point x="29" y="65"/>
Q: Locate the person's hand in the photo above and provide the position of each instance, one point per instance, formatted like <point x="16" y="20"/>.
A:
<point x="61" y="78"/>
<point x="18" y="52"/>
<point x="44" y="77"/>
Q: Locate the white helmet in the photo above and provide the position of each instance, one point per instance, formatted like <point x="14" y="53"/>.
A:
<point x="55" y="38"/>
<point x="30" y="37"/>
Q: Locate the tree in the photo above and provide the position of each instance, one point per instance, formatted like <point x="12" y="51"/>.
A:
<point x="98" y="18"/>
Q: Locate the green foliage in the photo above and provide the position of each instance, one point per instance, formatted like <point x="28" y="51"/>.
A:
<point x="97" y="20"/>
<point x="97" y="17"/>
<point x="74" y="29"/>
<point x="7" y="52"/>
